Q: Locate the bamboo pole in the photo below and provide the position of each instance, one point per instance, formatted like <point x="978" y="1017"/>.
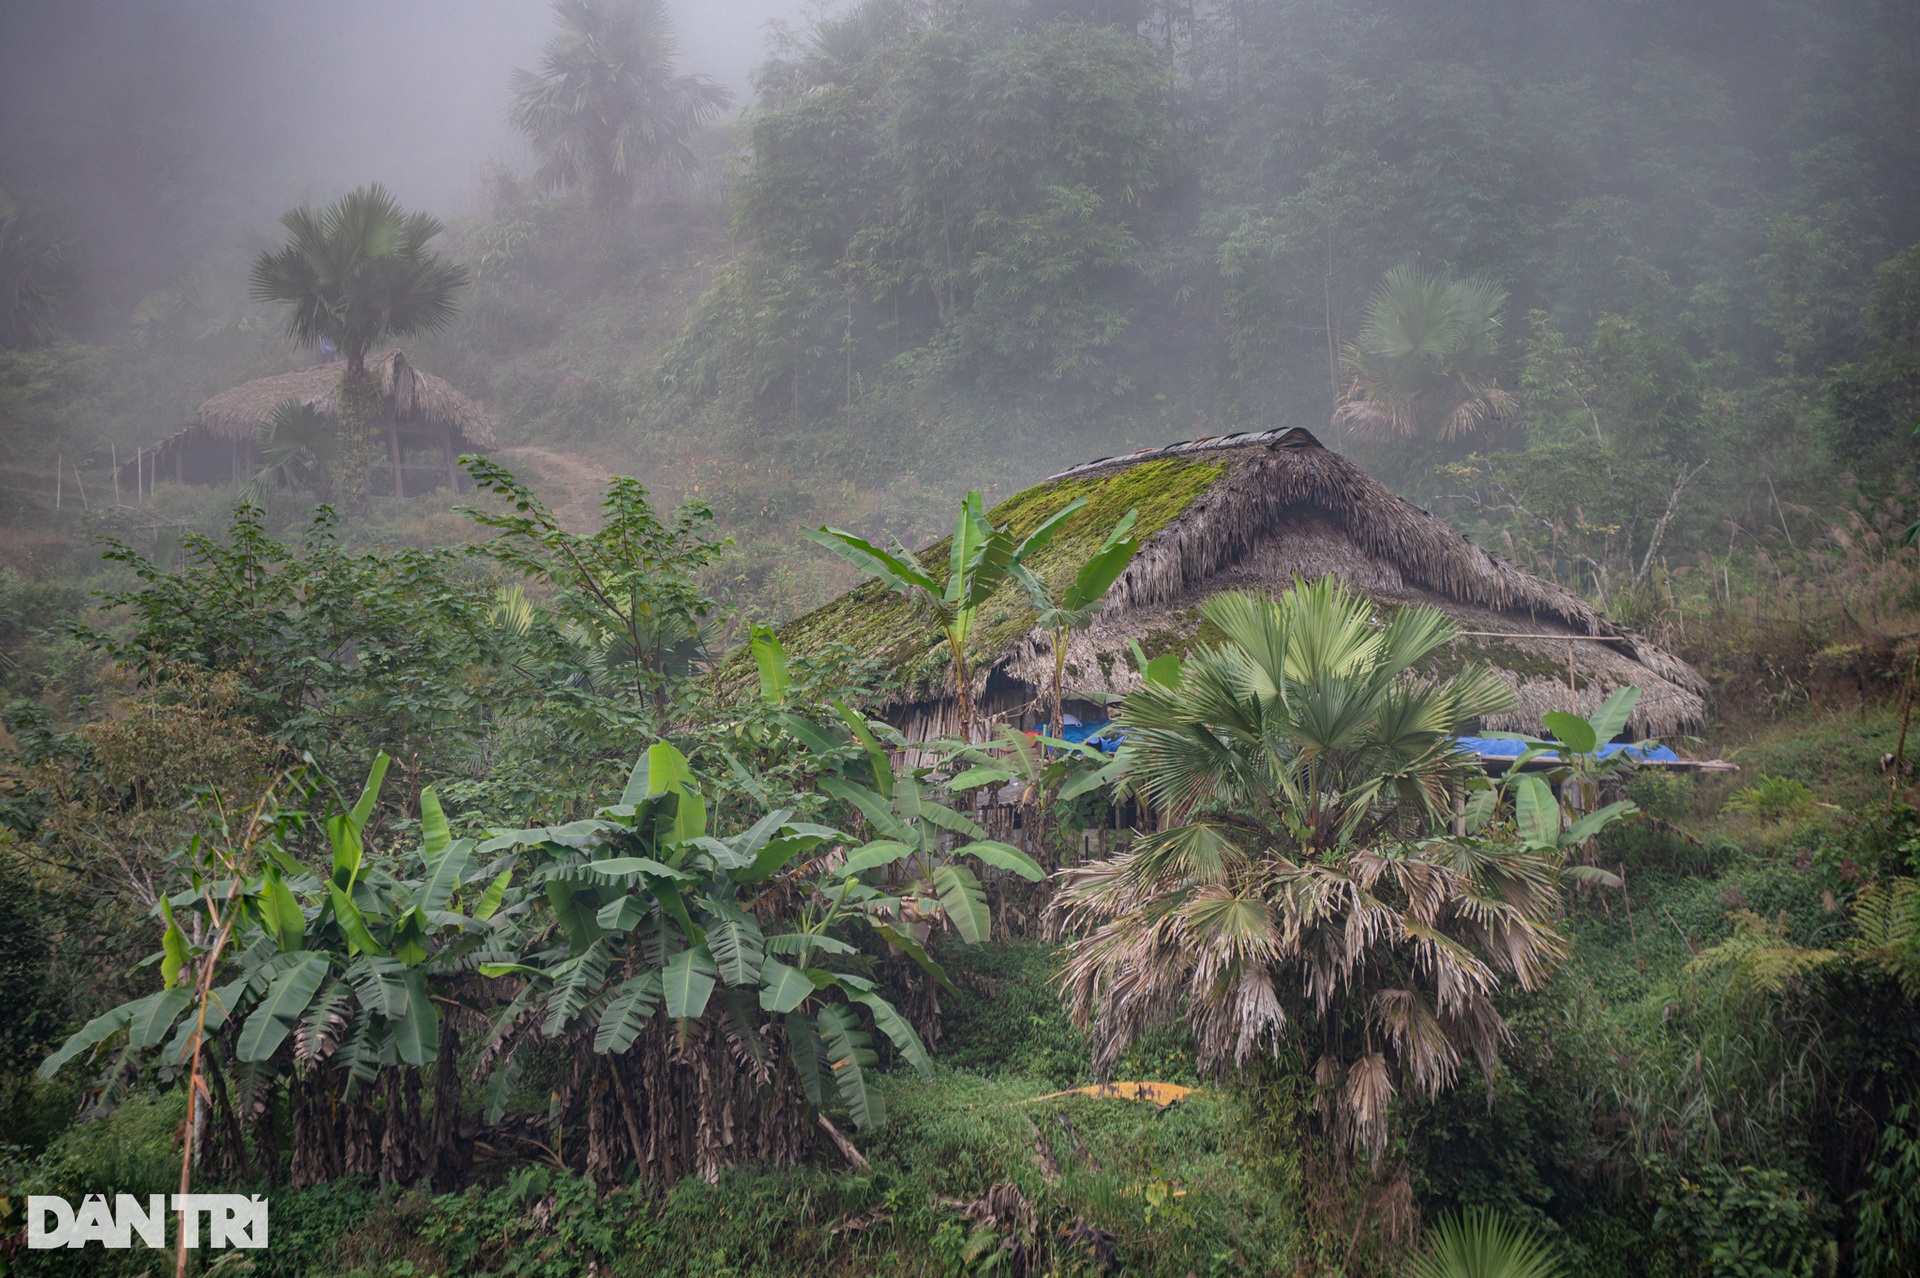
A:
<point x="1505" y="634"/>
<point x="113" y="454"/>
<point x="59" y="473"/>
<point x="196" y="1082"/>
<point x="81" y="484"/>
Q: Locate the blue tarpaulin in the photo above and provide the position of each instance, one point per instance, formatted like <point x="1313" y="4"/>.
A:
<point x="1102" y="734"/>
<point x="1503" y="749"/>
<point x="1105" y="735"/>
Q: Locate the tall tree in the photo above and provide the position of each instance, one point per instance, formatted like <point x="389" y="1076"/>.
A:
<point x="359" y="272"/>
<point x="34" y="276"/>
<point x="606" y="105"/>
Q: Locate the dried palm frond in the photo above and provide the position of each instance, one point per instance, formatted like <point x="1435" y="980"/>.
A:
<point x="324" y="1025"/>
<point x="405" y="392"/>
<point x="1274" y="505"/>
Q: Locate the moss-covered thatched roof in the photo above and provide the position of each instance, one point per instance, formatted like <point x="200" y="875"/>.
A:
<point x="1254" y="511"/>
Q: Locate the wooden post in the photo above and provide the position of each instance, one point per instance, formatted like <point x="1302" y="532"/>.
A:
<point x="81" y="484"/>
<point x="453" y="472"/>
<point x="59" y="472"/>
<point x="393" y="452"/>
<point x="113" y="455"/>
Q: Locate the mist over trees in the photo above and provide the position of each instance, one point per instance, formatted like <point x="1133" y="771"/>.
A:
<point x="1140" y="226"/>
<point x="606" y="105"/>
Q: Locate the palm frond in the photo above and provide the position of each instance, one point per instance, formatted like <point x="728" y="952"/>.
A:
<point x="1481" y="1243"/>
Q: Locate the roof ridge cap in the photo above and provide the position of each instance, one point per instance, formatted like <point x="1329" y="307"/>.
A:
<point x="1186" y="447"/>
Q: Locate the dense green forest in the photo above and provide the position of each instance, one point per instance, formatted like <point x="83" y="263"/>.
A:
<point x="552" y="917"/>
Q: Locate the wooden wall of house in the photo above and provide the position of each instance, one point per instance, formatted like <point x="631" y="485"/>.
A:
<point x="208" y="459"/>
<point x="1115" y="826"/>
<point x="420" y="459"/>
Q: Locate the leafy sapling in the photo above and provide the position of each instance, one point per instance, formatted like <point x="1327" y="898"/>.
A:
<point x="1564" y="824"/>
<point x="980" y="558"/>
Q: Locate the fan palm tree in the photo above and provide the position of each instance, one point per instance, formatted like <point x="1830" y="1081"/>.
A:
<point x="1425" y="357"/>
<point x="606" y="105"/>
<point x="1297" y="893"/>
<point x="357" y="273"/>
<point x="1481" y="1243"/>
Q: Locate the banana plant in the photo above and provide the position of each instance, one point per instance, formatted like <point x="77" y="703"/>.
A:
<point x="836" y="743"/>
<point x="911" y="828"/>
<point x="980" y="557"/>
<point x="1047" y="770"/>
<point x="337" y="968"/>
<point x="1073" y="609"/>
<point x="652" y="914"/>
<point x="1563" y="824"/>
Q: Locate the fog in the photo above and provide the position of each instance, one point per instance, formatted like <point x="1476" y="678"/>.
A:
<point x="164" y="134"/>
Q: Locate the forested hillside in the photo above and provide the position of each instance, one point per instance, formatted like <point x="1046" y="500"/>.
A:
<point x="554" y="918"/>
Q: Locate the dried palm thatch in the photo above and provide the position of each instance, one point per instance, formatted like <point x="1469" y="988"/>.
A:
<point x="223" y="436"/>
<point x="410" y="395"/>
<point x="1254" y="511"/>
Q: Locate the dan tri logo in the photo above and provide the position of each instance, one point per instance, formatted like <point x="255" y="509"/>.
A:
<point x="233" y="1220"/>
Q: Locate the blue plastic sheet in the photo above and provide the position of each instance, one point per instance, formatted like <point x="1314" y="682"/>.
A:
<point x="1498" y="748"/>
<point x="1106" y="736"/>
<point x="1102" y="734"/>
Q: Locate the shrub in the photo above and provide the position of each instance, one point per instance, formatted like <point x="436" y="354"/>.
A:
<point x="1745" y="1222"/>
<point x="1889" y="1229"/>
<point x="1773" y="798"/>
<point x="1662" y="794"/>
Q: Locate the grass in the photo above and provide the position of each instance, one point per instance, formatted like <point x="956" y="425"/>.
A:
<point x="1170" y="1192"/>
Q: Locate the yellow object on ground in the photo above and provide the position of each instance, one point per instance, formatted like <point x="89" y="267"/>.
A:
<point x="1161" y="1094"/>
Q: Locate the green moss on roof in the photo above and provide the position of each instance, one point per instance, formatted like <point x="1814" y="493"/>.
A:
<point x="872" y="620"/>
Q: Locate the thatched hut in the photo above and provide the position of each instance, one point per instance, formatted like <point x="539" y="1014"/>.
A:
<point x="1254" y="511"/>
<point x="427" y="423"/>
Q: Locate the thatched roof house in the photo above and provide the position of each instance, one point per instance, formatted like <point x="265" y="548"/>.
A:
<point x="1253" y="511"/>
<point x="428" y="425"/>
